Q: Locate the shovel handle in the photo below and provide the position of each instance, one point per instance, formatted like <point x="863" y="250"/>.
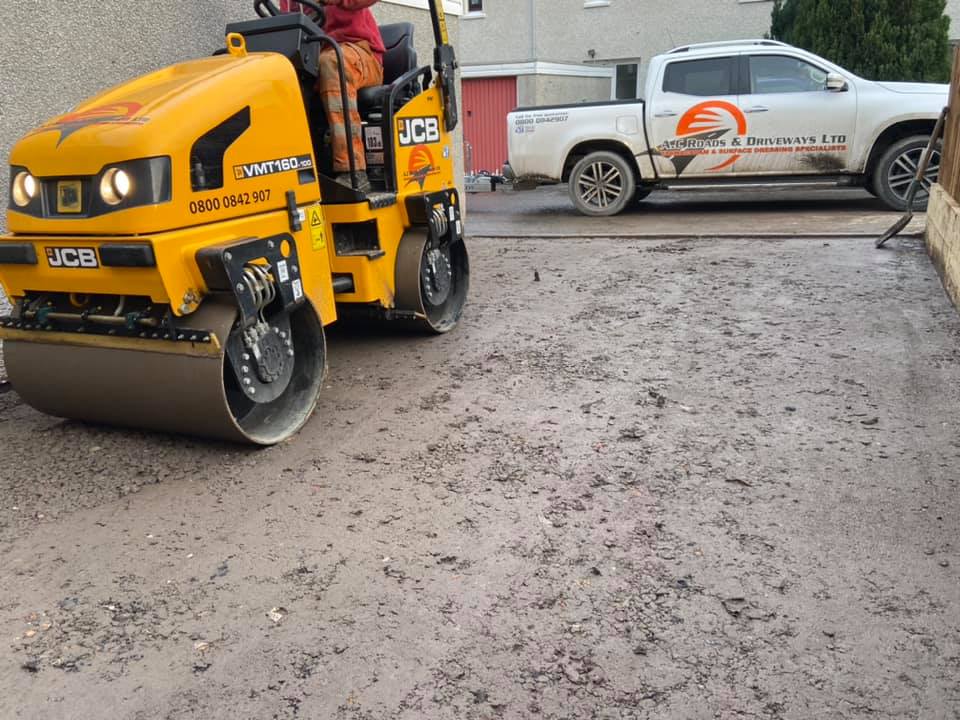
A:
<point x="917" y="180"/>
<point x="927" y="156"/>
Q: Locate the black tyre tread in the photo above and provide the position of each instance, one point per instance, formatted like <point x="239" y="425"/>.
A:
<point x="629" y="189"/>
<point x="878" y="183"/>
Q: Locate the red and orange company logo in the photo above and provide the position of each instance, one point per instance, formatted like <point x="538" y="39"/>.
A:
<point x="704" y="130"/>
<point x="420" y="166"/>
<point x="123" y="113"/>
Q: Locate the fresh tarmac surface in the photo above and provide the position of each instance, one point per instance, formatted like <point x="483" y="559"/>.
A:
<point x="548" y="212"/>
<point x="671" y="479"/>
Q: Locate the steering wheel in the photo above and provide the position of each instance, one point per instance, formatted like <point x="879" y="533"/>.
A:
<point x="266" y="8"/>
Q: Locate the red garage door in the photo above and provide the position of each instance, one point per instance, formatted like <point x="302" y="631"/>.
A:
<point x="486" y="102"/>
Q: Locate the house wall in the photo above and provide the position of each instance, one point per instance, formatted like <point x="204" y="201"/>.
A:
<point x="567" y="30"/>
<point x="622" y="30"/>
<point x="641" y="28"/>
<point x="953" y="10"/>
<point x="560" y="90"/>
<point x="502" y="36"/>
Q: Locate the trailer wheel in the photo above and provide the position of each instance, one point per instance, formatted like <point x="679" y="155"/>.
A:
<point x="898" y="167"/>
<point x="602" y="184"/>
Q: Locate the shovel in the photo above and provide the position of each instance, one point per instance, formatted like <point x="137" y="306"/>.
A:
<point x="917" y="181"/>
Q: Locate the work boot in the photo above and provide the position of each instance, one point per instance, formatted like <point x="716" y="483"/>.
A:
<point x="363" y="182"/>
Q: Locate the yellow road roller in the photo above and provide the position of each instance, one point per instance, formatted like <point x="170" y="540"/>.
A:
<point x="178" y="243"/>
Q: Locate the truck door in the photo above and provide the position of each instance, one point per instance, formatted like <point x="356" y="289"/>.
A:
<point x="694" y="121"/>
<point x="795" y="124"/>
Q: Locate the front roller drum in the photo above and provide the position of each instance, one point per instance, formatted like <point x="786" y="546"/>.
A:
<point x="170" y="387"/>
<point x="433" y="279"/>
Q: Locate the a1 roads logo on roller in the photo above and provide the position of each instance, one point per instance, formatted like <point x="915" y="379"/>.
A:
<point x="420" y="166"/>
<point x="704" y="130"/>
<point x="121" y="113"/>
<point x="249" y="171"/>
<point x="72" y="257"/>
<point x="418" y="131"/>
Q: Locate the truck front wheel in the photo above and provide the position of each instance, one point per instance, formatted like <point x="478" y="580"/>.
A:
<point x="898" y="167"/>
<point x="602" y="184"/>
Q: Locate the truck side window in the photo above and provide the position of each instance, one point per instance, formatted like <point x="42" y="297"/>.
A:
<point x="712" y="76"/>
<point x="781" y="74"/>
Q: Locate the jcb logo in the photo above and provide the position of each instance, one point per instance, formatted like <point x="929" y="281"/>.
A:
<point x="66" y="257"/>
<point x="419" y="131"/>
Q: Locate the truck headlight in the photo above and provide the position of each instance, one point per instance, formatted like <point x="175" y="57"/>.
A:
<point x="115" y="186"/>
<point x="24" y="188"/>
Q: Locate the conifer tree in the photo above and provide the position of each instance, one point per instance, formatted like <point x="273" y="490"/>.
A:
<point x="906" y="40"/>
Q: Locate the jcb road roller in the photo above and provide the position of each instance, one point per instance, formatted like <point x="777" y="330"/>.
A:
<point x="178" y="243"/>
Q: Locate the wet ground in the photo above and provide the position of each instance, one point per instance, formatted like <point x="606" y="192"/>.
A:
<point x="669" y="479"/>
<point x="735" y="214"/>
<point x="4" y="310"/>
<point x="547" y="212"/>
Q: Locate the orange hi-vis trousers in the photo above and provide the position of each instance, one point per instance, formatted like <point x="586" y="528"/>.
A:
<point x="362" y="69"/>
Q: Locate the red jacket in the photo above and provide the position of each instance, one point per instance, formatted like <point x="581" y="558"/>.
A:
<point x="349" y="21"/>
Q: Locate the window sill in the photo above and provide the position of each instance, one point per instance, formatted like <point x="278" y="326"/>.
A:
<point x="596" y="3"/>
<point x="473" y="16"/>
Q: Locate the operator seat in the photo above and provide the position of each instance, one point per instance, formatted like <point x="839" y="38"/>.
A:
<point x="399" y="59"/>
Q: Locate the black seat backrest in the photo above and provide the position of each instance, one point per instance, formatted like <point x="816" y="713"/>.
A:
<point x="401" y="55"/>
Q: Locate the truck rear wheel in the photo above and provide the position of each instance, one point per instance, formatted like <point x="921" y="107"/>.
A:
<point x="602" y="184"/>
<point x="898" y="167"/>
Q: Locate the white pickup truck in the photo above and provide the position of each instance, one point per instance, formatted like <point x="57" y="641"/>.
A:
<point x="754" y="113"/>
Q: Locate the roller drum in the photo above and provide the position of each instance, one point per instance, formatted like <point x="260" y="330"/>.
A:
<point x="170" y="387"/>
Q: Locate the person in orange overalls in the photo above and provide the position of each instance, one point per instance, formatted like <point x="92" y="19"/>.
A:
<point x="353" y="26"/>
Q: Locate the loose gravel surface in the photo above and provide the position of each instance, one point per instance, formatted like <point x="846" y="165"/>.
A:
<point x="4" y="310"/>
<point x="686" y="479"/>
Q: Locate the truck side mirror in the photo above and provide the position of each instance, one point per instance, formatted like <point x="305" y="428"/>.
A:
<point x="836" y="83"/>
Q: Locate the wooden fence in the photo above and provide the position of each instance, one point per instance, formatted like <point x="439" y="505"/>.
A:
<point x="950" y="166"/>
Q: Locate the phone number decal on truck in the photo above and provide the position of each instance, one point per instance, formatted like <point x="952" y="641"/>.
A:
<point x="528" y="123"/>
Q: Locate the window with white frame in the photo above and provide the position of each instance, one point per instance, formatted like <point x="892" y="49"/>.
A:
<point x="474" y="6"/>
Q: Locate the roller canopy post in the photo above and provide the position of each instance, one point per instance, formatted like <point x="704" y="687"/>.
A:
<point x="445" y="63"/>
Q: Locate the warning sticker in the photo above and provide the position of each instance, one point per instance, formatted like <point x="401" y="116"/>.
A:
<point x="316" y="229"/>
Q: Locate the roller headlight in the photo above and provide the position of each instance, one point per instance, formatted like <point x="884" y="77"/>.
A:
<point x="115" y="186"/>
<point x="25" y="188"/>
<point x="120" y="186"/>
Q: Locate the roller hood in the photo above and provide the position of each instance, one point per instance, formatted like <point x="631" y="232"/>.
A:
<point x="150" y="116"/>
<point x="166" y="115"/>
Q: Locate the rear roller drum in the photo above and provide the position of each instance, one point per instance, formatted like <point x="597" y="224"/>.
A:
<point x="432" y="281"/>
